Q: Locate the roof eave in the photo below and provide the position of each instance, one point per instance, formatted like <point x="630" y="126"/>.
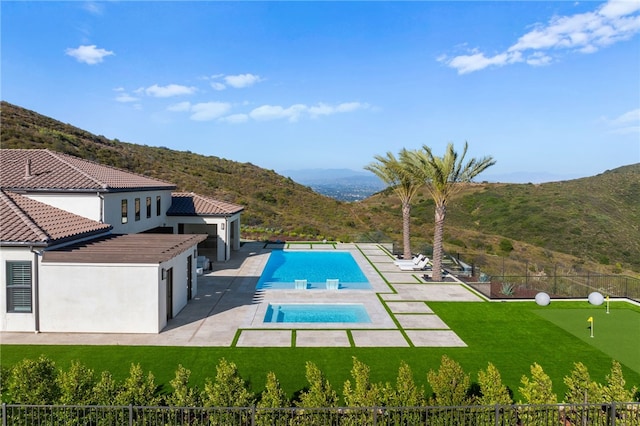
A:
<point x="23" y="190"/>
<point x="23" y="244"/>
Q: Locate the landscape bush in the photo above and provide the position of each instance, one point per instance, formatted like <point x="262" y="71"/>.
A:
<point x="40" y="382"/>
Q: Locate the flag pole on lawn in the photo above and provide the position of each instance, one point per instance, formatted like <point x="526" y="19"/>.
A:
<point x="607" y="304"/>
<point x="590" y="320"/>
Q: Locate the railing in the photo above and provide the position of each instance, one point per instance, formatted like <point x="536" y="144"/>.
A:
<point x="566" y="286"/>
<point x="610" y="414"/>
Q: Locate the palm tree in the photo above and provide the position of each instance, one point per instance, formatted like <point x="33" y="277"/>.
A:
<point x="395" y="173"/>
<point x="443" y="177"/>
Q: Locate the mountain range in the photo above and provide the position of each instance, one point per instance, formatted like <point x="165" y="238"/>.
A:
<point x="591" y="223"/>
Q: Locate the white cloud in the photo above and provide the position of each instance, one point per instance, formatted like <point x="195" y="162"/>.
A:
<point x="180" y="107"/>
<point x="539" y="59"/>
<point x="351" y="106"/>
<point x="616" y="20"/>
<point x="627" y="123"/>
<point x="216" y="85"/>
<point x="235" y="118"/>
<point x="169" y="90"/>
<point x="126" y="98"/>
<point x="274" y="112"/>
<point x="295" y="112"/>
<point x="219" y="111"/>
<point x="208" y="111"/>
<point x="324" y="109"/>
<point x="93" y="7"/>
<point x="88" y="54"/>
<point x="632" y="116"/>
<point x="242" y="80"/>
<point x="477" y="61"/>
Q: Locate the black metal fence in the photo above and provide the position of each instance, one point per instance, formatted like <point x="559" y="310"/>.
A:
<point x="565" y="286"/>
<point x="609" y="414"/>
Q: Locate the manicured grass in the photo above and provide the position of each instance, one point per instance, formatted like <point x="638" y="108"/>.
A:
<point x="616" y="333"/>
<point x="511" y="335"/>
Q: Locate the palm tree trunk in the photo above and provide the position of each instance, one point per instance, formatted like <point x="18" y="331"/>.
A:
<point x="441" y="211"/>
<point x="406" y="235"/>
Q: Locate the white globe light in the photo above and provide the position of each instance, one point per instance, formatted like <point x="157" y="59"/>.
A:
<point x="543" y="299"/>
<point x="596" y="298"/>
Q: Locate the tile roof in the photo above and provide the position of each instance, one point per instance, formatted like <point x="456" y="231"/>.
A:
<point x="128" y="248"/>
<point x="26" y="221"/>
<point x="191" y="204"/>
<point x="44" y="170"/>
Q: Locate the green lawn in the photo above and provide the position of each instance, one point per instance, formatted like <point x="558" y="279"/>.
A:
<point x="616" y="333"/>
<point x="511" y="335"/>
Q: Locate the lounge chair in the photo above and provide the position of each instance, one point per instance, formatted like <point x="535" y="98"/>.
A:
<point x="423" y="264"/>
<point x="333" y="284"/>
<point x="300" y="284"/>
<point x="415" y="260"/>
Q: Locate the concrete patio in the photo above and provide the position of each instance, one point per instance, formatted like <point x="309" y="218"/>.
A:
<point x="228" y="310"/>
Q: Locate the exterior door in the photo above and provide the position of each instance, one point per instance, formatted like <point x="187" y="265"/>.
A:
<point x="169" y="293"/>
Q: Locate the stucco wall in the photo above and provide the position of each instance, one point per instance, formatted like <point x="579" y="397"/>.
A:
<point x="102" y="298"/>
<point x="113" y="215"/>
<point x="180" y="288"/>
<point x="83" y="204"/>
<point x="14" y="321"/>
<point x="111" y="298"/>
<point x="106" y="207"/>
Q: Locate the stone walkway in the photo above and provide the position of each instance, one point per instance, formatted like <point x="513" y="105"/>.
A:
<point x="228" y="310"/>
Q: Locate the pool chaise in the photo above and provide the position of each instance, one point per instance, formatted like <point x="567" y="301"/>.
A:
<point x="415" y="260"/>
<point x="423" y="264"/>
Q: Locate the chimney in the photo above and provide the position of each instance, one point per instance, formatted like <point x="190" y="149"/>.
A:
<point x="27" y="169"/>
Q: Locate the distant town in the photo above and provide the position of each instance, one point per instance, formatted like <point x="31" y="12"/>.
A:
<point x="341" y="184"/>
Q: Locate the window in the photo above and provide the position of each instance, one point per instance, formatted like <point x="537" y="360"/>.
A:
<point x="148" y="207"/>
<point x="158" y="205"/>
<point x="19" y="287"/>
<point x="125" y="219"/>
<point x="137" y="206"/>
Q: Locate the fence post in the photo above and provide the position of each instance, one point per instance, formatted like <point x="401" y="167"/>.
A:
<point x="130" y="414"/>
<point x="253" y="415"/>
<point x="4" y="414"/>
<point x="497" y="414"/>
<point x="613" y="413"/>
<point x="375" y="416"/>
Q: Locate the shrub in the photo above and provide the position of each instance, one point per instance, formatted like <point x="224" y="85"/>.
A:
<point x="76" y="385"/>
<point x="228" y="390"/>
<point x="183" y="395"/>
<point x="34" y="382"/>
<point x="506" y="246"/>
<point x="492" y="390"/>
<point x="449" y="384"/>
<point x="320" y="393"/>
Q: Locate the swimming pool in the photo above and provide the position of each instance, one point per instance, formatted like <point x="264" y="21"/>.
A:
<point x="285" y="267"/>
<point x="315" y="312"/>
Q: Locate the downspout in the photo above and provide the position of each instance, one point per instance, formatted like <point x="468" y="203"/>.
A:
<point x="36" y="287"/>
<point x="101" y="207"/>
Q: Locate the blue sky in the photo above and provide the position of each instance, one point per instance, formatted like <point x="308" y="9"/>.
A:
<point x="543" y="87"/>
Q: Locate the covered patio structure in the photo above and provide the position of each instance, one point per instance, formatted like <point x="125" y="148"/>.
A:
<point x="191" y="213"/>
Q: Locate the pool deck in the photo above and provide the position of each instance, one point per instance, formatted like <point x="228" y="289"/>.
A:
<point x="228" y="310"/>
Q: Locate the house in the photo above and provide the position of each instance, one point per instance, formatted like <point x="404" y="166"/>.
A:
<point x="90" y="248"/>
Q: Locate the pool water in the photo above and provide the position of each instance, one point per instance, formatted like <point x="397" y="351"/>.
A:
<point x="316" y="313"/>
<point x="285" y="267"/>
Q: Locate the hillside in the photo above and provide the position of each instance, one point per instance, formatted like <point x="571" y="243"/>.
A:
<point x="275" y="204"/>
<point x="590" y="223"/>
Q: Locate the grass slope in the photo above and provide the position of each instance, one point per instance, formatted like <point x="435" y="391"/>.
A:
<point x="510" y="335"/>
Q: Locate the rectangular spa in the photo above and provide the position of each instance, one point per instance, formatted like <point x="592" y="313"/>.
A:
<point x="316" y="313"/>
